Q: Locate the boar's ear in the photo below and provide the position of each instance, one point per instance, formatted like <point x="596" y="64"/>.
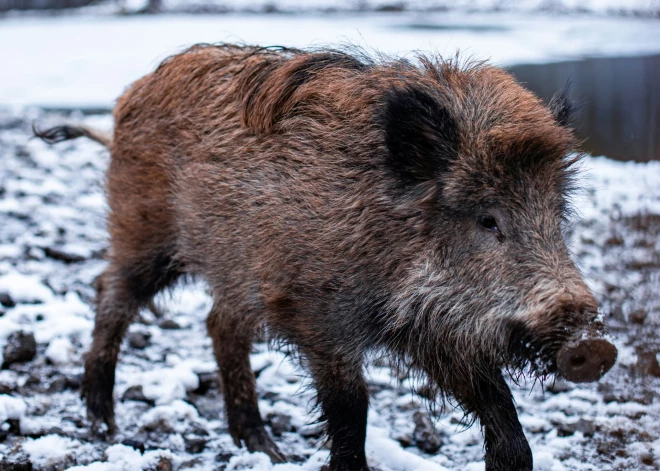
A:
<point x="421" y="135"/>
<point x="563" y="107"/>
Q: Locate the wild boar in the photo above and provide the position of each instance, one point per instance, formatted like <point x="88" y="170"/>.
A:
<point x="347" y="204"/>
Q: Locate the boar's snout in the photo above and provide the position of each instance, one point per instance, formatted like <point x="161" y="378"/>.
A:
<point x="585" y="360"/>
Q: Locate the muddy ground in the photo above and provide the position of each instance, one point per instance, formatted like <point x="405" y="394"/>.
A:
<point x="169" y="412"/>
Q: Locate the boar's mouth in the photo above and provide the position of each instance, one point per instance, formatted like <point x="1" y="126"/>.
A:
<point x="576" y="354"/>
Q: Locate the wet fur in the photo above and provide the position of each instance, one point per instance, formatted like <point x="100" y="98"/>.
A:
<point x="331" y="197"/>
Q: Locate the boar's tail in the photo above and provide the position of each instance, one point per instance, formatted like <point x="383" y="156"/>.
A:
<point x="71" y="131"/>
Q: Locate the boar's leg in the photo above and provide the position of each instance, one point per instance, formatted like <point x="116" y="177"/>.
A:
<point x="115" y="310"/>
<point x="344" y="399"/>
<point x="506" y="446"/>
<point x="129" y="283"/>
<point x="232" y="344"/>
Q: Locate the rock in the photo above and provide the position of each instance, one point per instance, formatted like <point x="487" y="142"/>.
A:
<point x="638" y="316"/>
<point x="139" y="340"/>
<point x="15" y="463"/>
<point x="196" y="463"/>
<point x="279" y="423"/>
<point x="209" y="406"/>
<point x="647" y="458"/>
<point x="223" y="457"/>
<point x="585" y="426"/>
<point x="425" y="436"/>
<point x="6" y="300"/>
<point x="21" y="346"/>
<point x="74" y="381"/>
<point x="169" y="324"/>
<point x="207" y="381"/>
<point x="135" y="444"/>
<point x="135" y="393"/>
<point x="164" y="464"/>
<point x="62" y="255"/>
<point x="647" y="364"/>
<point x="58" y="384"/>
<point x="195" y="444"/>
<point x="405" y="440"/>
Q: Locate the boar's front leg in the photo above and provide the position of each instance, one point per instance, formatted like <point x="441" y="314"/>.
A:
<point x="506" y="446"/>
<point x="232" y="344"/>
<point x="343" y="396"/>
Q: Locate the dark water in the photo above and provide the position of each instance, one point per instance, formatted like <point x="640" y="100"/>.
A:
<point x="619" y="102"/>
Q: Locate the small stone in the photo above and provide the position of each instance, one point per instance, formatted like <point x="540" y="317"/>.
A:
<point x="138" y="340"/>
<point x="405" y="440"/>
<point x="163" y="464"/>
<point x="209" y="407"/>
<point x="58" y="384"/>
<point x="194" y="463"/>
<point x="582" y="425"/>
<point x="135" y="393"/>
<point x="207" y="381"/>
<point x="195" y="444"/>
<point x="135" y="444"/>
<point x="7" y="300"/>
<point x="15" y="463"/>
<point x="169" y="324"/>
<point x="21" y="346"/>
<point x="647" y="364"/>
<point x="223" y="457"/>
<point x="425" y="436"/>
<point x="638" y="316"/>
<point x="647" y="458"/>
<point x="74" y="381"/>
<point x="614" y="240"/>
<point x="62" y="255"/>
<point x="279" y="423"/>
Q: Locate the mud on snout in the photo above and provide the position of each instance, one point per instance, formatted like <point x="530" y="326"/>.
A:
<point x="567" y="347"/>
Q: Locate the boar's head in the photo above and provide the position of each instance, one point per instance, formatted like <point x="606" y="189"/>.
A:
<point x="492" y="283"/>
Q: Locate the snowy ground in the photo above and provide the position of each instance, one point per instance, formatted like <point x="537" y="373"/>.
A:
<point x="169" y="413"/>
<point x="88" y="60"/>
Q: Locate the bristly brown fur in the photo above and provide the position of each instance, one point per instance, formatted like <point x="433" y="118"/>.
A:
<point x="335" y="199"/>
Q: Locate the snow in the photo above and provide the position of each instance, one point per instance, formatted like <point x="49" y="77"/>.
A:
<point x="169" y="375"/>
<point x="88" y="61"/>
<point x="11" y="408"/>
<point x="60" y="351"/>
<point x="385" y="453"/>
<point x="25" y="288"/>
<point x="51" y="449"/>
<point x="124" y="458"/>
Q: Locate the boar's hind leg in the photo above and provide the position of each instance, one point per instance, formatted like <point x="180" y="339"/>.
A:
<point x="506" y="446"/>
<point x="232" y="344"/>
<point x="121" y="291"/>
<point x="344" y="399"/>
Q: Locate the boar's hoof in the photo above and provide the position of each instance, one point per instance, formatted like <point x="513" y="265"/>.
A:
<point x="509" y="452"/>
<point x="96" y="390"/>
<point x="258" y="439"/>
<point x="586" y="360"/>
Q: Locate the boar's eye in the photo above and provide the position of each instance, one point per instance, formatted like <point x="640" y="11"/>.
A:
<point x="488" y="222"/>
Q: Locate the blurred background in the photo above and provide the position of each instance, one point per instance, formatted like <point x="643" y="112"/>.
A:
<point x="62" y="54"/>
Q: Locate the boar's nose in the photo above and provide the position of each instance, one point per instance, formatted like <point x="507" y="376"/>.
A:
<point x="586" y="360"/>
